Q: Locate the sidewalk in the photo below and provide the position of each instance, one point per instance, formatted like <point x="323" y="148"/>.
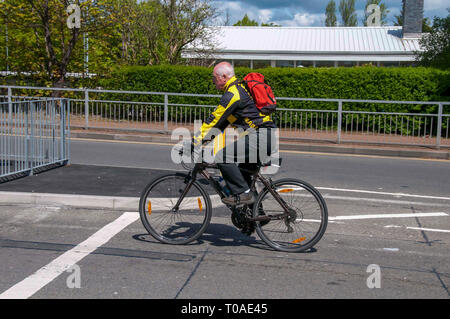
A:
<point x="87" y="186"/>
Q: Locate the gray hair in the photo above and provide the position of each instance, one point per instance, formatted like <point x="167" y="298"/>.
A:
<point x="225" y="68"/>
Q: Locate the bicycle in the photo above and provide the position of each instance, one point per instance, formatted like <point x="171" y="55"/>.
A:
<point x="176" y="209"/>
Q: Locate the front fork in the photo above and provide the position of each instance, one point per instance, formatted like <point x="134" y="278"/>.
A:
<point x="189" y="180"/>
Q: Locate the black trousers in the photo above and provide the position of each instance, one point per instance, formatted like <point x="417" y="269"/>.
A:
<point x="247" y="152"/>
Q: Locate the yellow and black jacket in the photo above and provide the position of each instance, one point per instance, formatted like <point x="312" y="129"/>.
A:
<point x="237" y="108"/>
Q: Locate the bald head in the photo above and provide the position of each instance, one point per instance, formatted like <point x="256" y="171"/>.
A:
<point x="224" y="68"/>
<point x="221" y="74"/>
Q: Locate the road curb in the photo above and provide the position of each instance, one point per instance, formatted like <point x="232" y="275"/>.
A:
<point x="69" y="200"/>
<point x="285" y="146"/>
<point x="116" y="203"/>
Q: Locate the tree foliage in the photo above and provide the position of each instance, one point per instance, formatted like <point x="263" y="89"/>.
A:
<point x="40" y="40"/>
<point x="330" y="12"/>
<point x="119" y="32"/>
<point x="436" y="45"/>
<point x="348" y="13"/>
<point x="247" y="22"/>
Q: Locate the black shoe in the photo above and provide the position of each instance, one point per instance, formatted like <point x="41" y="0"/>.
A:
<point x="241" y="199"/>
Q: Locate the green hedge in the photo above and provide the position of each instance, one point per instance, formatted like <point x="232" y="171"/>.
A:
<point x="358" y="83"/>
<point x="362" y="83"/>
<point x="366" y="83"/>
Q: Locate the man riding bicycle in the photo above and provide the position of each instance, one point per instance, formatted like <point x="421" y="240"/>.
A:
<point x="288" y="214"/>
<point x="237" y="108"/>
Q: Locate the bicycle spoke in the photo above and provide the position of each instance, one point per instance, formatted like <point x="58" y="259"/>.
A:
<point x="167" y="223"/>
<point x="306" y="220"/>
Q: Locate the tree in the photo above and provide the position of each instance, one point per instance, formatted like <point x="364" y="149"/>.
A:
<point x="270" y="24"/>
<point x="398" y="20"/>
<point x="436" y="45"/>
<point x="330" y="13"/>
<point x="246" y="21"/>
<point x="41" y="39"/>
<point x="227" y="18"/>
<point x="348" y="13"/>
<point x="383" y="12"/>
<point x="186" y="21"/>
<point x="141" y="32"/>
<point x="124" y="32"/>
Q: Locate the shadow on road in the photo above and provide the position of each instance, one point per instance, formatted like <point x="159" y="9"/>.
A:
<point x="220" y="235"/>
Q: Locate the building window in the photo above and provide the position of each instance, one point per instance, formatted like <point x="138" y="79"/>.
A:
<point x="368" y="63"/>
<point x="389" y="64"/>
<point x="260" y="64"/>
<point x="347" y="63"/>
<point x="406" y="63"/>
<point x="285" y="64"/>
<point x="328" y="64"/>
<point x="242" y="63"/>
<point x="305" y="64"/>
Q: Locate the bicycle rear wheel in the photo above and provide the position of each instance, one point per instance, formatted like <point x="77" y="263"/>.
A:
<point x="305" y="225"/>
<point x="170" y="226"/>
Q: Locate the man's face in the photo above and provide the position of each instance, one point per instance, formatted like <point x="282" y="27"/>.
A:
<point x="219" y="81"/>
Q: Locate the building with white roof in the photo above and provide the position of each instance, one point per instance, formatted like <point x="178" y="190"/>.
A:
<point x="258" y="47"/>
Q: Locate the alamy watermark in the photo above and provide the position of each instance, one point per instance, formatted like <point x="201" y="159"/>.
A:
<point x="374" y="279"/>
<point x="74" y="19"/>
<point x="74" y="279"/>
<point x="249" y="146"/>
<point x="374" y="18"/>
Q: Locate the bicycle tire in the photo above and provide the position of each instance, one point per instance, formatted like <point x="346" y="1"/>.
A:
<point x="301" y="239"/>
<point x="167" y="233"/>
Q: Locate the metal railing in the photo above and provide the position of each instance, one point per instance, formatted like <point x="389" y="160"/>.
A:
<point x="331" y="120"/>
<point x="34" y="135"/>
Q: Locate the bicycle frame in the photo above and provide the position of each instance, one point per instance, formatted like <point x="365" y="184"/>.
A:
<point x="201" y="168"/>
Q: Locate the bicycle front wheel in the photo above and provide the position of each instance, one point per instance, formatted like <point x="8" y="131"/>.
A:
<point x="167" y="223"/>
<point x="306" y="222"/>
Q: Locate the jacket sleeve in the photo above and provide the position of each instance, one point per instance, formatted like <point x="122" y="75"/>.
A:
<point x="219" y="119"/>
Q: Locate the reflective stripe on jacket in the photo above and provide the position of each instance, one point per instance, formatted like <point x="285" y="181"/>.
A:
<point x="237" y="108"/>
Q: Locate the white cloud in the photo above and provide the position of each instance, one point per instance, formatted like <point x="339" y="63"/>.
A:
<point x="436" y="4"/>
<point x="306" y="13"/>
<point x="264" y="15"/>
<point x="303" y="20"/>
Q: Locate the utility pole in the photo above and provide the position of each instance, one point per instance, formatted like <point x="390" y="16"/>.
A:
<point x="7" y="49"/>
<point x="86" y="53"/>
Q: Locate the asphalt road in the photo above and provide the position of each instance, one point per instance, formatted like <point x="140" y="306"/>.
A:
<point x="428" y="177"/>
<point x="388" y="237"/>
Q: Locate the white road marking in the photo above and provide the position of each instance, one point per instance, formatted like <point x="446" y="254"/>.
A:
<point x="429" y="229"/>
<point x="382" y="193"/>
<point x="372" y="216"/>
<point x="420" y="228"/>
<point x="386" y="201"/>
<point x="391" y="249"/>
<point x="32" y="284"/>
<point x="332" y="219"/>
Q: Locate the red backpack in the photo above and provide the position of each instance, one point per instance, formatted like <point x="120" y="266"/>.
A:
<point x="262" y="93"/>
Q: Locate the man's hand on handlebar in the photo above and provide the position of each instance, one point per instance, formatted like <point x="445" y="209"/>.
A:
<point x="189" y="147"/>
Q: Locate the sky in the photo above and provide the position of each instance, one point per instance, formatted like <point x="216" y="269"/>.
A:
<point x="300" y="13"/>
